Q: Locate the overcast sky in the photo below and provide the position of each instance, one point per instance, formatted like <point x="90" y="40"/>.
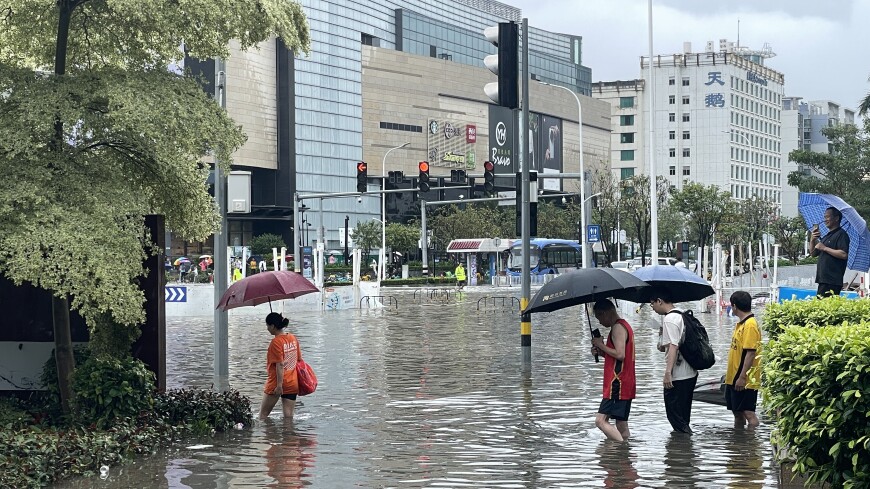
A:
<point x="820" y="46"/>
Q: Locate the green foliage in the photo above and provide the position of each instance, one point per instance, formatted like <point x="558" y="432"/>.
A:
<point x="403" y="237"/>
<point x="110" y="338"/>
<point x="114" y="136"/>
<point x="108" y="388"/>
<point x="704" y="206"/>
<point x="817" y="380"/>
<point x="791" y="234"/>
<point x="50" y="407"/>
<point x="419" y="281"/>
<point x="830" y="311"/>
<point x="13" y="414"/>
<point x="263" y="244"/>
<point x="809" y="260"/>
<point x="367" y="236"/>
<point x="34" y="456"/>
<point x="636" y="205"/>
<point x="203" y="410"/>
<point x="557" y="221"/>
<point x="844" y="171"/>
<point x="483" y="220"/>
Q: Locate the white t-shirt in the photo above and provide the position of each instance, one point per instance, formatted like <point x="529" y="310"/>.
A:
<point x="672" y="334"/>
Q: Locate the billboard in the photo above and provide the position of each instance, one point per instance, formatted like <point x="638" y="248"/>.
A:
<point x="451" y="144"/>
<point x="503" y="142"/>
<point x="548" y="150"/>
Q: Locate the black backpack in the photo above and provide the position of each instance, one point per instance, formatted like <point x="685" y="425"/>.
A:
<point x="695" y="346"/>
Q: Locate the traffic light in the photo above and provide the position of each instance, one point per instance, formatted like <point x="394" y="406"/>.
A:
<point x="362" y="177"/>
<point x="457" y="176"/>
<point x="505" y="64"/>
<point x="423" y="178"/>
<point x="488" y="178"/>
<point x="396" y="177"/>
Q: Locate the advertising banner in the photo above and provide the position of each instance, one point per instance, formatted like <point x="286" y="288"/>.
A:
<point x="451" y="144"/>
<point x="307" y="262"/>
<point x="548" y="150"/>
<point x="503" y="142"/>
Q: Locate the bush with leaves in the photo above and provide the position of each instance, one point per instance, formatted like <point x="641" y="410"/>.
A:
<point x="817" y="380"/>
<point x="830" y="311"/>
<point x="262" y="245"/>
<point x="107" y="388"/>
<point x="203" y="411"/>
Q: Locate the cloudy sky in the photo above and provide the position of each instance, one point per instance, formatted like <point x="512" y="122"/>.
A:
<point x="819" y="45"/>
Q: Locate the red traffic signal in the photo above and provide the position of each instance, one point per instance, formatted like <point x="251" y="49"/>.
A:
<point x="362" y="167"/>
<point x="423" y="177"/>
<point x="424" y="166"/>
<point x="488" y="166"/>
<point x="362" y="176"/>
<point x="488" y="177"/>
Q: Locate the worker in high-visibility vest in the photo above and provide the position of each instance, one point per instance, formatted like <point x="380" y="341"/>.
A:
<point x="460" y="275"/>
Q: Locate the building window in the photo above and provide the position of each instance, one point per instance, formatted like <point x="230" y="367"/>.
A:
<point x="626" y="120"/>
<point x="672" y="117"/>
<point x="672" y="135"/>
<point x="626" y="137"/>
<point x="672" y="99"/>
<point x="685" y="100"/>
<point x="626" y="102"/>
<point x="673" y="170"/>
<point x="626" y="173"/>
<point x="687" y="152"/>
<point x="672" y="81"/>
<point x="672" y="152"/>
<point x="626" y="155"/>
<point x="686" y="171"/>
<point x="685" y="82"/>
<point x="686" y="135"/>
<point x="685" y="117"/>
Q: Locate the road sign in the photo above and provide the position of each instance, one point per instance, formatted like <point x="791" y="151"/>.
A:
<point x="175" y="294"/>
<point x="622" y="236"/>
<point x="593" y="233"/>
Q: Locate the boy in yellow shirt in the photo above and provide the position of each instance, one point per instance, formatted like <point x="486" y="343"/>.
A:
<point x="742" y="377"/>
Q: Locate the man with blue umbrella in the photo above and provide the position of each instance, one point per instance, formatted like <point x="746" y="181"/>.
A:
<point x="833" y="251"/>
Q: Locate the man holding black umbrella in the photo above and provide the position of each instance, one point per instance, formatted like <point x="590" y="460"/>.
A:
<point x="833" y="251"/>
<point x="679" y="378"/>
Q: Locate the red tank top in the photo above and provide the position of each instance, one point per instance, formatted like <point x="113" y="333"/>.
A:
<point x="619" y="380"/>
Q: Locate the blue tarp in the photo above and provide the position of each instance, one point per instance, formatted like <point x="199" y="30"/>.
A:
<point x="792" y="293"/>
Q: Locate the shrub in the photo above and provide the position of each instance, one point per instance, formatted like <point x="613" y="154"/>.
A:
<point x="817" y="380"/>
<point x="809" y="260"/>
<point x="204" y="410"/>
<point x="829" y="311"/>
<point x="13" y="414"/>
<point x="263" y="244"/>
<point x="107" y="388"/>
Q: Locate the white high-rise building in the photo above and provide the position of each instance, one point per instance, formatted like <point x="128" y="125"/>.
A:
<point x="802" y="124"/>
<point x="717" y="120"/>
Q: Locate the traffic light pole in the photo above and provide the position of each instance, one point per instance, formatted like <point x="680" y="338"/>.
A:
<point x="526" y="318"/>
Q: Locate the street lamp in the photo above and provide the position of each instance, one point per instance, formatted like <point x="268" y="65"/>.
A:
<point x="582" y="168"/>
<point x="383" y="252"/>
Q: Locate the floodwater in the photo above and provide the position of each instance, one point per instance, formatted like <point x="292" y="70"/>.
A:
<point x="434" y="394"/>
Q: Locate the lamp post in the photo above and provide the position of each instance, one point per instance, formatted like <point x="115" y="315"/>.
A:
<point x="383" y="253"/>
<point x="583" y="199"/>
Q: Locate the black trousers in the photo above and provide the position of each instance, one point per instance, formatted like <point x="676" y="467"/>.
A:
<point x="825" y="289"/>
<point x="678" y="404"/>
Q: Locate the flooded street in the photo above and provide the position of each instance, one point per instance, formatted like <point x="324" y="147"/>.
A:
<point x="434" y="394"/>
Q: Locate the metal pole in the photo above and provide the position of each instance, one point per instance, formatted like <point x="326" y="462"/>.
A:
<point x="653" y="190"/>
<point x="221" y="335"/>
<point x="346" y="224"/>
<point x="321" y="229"/>
<point x="526" y="319"/>
<point x="382" y="275"/>
<point x="297" y="241"/>
<point x="424" y="238"/>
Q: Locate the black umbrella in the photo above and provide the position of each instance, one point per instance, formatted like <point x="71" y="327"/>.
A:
<point x="680" y="284"/>
<point x="587" y="285"/>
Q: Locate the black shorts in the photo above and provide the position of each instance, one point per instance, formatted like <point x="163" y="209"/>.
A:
<point x="744" y="400"/>
<point x="618" y="410"/>
<point x="292" y="397"/>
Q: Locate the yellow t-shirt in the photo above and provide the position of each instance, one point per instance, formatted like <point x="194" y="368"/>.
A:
<point x="747" y="336"/>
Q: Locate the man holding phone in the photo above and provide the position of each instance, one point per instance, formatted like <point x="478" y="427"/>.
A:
<point x="833" y="251"/>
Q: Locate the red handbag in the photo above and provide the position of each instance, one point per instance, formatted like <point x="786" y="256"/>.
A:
<point x="306" y="378"/>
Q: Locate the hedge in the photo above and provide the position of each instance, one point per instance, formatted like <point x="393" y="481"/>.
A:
<point x="814" y="312"/>
<point x="817" y="381"/>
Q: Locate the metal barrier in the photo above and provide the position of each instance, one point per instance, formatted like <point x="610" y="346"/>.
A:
<point x="386" y="300"/>
<point x="432" y="294"/>
<point x="504" y="303"/>
<point x="516" y="280"/>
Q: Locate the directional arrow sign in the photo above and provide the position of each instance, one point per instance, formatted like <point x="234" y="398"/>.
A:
<point x="175" y="294"/>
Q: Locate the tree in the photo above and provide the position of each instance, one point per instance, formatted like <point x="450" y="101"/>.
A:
<point x="606" y="211"/>
<point x="367" y="236"/>
<point x="844" y="171"/>
<point x="636" y="203"/>
<point x="555" y="221"/>
<point x="704" y="206"/>
<point x="98" y="134"/>
<point x="671" y="226"/>
<point x="263" y="244"/>
<point x="790" y="233"/>
<point x="482" y="220"/>
<point x="403" y="237"/>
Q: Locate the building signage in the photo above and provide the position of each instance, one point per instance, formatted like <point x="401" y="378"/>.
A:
<point x="502" y="140"/>
<point x="470" y="134"/>
<point x="754" y="78"/>
<point x="447" y="146"/>
<point x="547" y="153"/>
<point x="714" y="100"/>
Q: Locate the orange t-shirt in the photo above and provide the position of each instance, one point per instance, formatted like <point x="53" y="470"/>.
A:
<point x="283" y="350"/>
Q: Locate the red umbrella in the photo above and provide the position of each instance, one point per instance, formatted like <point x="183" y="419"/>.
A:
<point x="265" y="286"/>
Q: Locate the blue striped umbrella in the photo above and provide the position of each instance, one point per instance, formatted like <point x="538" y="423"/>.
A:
<point x="812" y="207"/>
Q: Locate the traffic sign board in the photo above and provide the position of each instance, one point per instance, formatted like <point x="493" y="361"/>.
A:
<point x="593" y="233"/>
<point x="175" y="294"/>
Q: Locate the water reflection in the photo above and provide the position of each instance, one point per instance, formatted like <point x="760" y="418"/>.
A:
<point x="436" y="395"/>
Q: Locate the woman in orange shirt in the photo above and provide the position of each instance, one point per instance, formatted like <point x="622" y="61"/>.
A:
<point x="281" y="358"/>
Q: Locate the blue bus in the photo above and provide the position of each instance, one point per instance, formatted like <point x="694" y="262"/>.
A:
<point x="546" y="256"/>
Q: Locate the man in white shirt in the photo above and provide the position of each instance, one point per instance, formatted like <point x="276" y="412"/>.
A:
<point x="679" y="378"/>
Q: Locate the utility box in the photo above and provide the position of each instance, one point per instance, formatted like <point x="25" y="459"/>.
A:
<point x="683" y="251"/>
<point x="239" y="192"/>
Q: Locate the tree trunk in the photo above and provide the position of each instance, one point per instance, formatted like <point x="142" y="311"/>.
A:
<point x="63" y="352"/>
